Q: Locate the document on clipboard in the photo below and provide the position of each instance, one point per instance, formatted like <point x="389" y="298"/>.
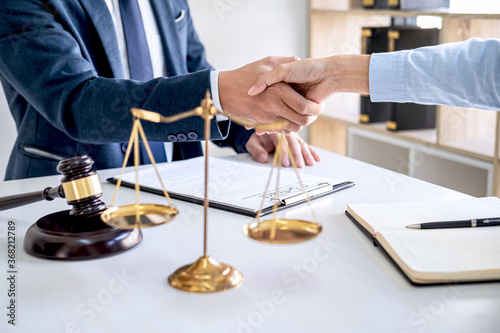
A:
<point x="233" y="185"/>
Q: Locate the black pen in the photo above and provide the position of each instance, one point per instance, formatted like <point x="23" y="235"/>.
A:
<point x="472" y="223"/>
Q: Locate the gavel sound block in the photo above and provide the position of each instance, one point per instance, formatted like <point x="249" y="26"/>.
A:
<point x="78" y="233"/>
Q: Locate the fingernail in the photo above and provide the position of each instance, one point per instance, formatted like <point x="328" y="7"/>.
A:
<point x="262" y="158"/>
<point x="286" y="162"/>
<point x="252" y="90"/>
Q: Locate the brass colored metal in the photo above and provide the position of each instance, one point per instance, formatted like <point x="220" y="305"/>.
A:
<point x="82" y="188"/>
<point x="392" y="35"/>
<point x="138" y="215"/>
<point x="364" y="118"/>
<point x="158" y="118"/>
<point x="276" y="126"/>
<point x="205" y="111"/>
<point x="393" y="3"/>
<point x="366" y="32"/>
<point x="281" y="231"/>
<point x="205" y="275"/>
<point x="392" y="125"/>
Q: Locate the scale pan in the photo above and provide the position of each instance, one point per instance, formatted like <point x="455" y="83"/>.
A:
<point x="138" y="215"/>
<point x="282" y="231"/>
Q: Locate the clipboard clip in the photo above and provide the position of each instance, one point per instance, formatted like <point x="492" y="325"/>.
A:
<point x="308" y="193"/>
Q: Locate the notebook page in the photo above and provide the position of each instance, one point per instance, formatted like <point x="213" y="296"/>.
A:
<point x="398" y="215"/>
<point x="447" y="250"/>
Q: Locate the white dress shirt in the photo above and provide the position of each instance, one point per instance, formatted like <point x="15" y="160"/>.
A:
<point x="155" y="50"/>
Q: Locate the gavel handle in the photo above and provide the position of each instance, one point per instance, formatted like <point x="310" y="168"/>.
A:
<point x="17" y="200"/>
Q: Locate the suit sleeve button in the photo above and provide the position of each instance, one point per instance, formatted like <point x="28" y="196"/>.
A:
<point x="181" y="137"/>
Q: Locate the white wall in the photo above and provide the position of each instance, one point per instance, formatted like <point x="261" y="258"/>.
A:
<point x="236" y="32"/>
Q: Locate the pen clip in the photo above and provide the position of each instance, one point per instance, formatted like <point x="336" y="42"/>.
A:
<point x="306" y="193"/>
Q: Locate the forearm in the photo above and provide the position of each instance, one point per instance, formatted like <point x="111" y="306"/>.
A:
<point x="349" y="73"/>
<point x="465" y="74"/>
<point x="103" y="106"/>
<point x="65" y="88"/>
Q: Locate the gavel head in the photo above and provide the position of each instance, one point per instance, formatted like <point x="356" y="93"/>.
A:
<point x="81" y="185"/>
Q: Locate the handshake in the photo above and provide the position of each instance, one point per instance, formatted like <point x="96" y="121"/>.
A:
<point x="286" y="88"/>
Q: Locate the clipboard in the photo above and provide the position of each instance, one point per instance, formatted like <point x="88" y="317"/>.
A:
<point x="284" y="202"/>
<point x="241" y="191"/>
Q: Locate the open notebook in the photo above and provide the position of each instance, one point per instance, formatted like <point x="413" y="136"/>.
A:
<point x="429" y="256"/>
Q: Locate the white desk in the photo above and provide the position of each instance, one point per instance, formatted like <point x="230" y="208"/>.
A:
<point x="338" y="282"/>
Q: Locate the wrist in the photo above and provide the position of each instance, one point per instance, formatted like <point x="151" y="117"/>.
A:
<point x="350" y="73"/>
<point x="224" y="96"/>
<point x="214" y="88"/>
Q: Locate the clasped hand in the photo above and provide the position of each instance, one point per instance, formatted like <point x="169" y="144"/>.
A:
<point x="276" y="103"/>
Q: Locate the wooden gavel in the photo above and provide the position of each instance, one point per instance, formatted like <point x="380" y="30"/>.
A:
<point x="80" y="186"/>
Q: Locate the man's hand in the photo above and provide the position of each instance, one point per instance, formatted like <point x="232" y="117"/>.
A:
<point x="319" y="78"/>
<point x="279" y="102"/>
<point x="260" y="146"/>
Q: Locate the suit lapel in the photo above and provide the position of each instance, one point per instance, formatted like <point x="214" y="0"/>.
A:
<point x="170" y="39"/>
<point x="103" y="22"/>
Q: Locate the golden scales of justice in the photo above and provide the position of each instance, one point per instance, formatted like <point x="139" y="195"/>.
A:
<point x="206" y="274"/>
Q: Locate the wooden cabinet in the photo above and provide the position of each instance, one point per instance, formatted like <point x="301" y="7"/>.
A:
<point x="464" y="146"/>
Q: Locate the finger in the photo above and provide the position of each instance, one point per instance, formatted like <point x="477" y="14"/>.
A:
<point x="275" y="61"/>
<point x="292" y="126"/>
<point x="256" y="150"/>
<point x="285" y="158"/>
<point x="282" y="111"/>
<point x="315" y="155"/>
<point x="267" y="79"/>
<point x="307" y="153"/>
<point x="295" y="146"/>
<point x="299" y="103"/>
<point x="263" y="132"/>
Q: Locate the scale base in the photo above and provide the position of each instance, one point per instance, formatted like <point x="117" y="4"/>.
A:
<point x="206" y="275"/>
<point x="282" y="231"/>
<point x="71" y="237"/>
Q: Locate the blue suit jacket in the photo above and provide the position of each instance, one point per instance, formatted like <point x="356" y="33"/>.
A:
<point x="61" y="71"/>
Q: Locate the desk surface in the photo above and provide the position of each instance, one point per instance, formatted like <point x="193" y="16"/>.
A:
<point x="338" y="282"/>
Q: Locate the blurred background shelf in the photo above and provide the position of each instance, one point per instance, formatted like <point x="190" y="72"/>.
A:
<point x="461" y="152"/>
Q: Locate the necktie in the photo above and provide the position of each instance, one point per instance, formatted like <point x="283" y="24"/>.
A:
<point x="139" y="61"/>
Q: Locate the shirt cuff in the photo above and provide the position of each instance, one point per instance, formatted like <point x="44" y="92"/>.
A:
<point x="214" y="87"/>
<point x="387" y="77"/>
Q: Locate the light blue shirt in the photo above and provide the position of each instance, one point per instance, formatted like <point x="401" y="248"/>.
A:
<point x="463" y="74"/>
